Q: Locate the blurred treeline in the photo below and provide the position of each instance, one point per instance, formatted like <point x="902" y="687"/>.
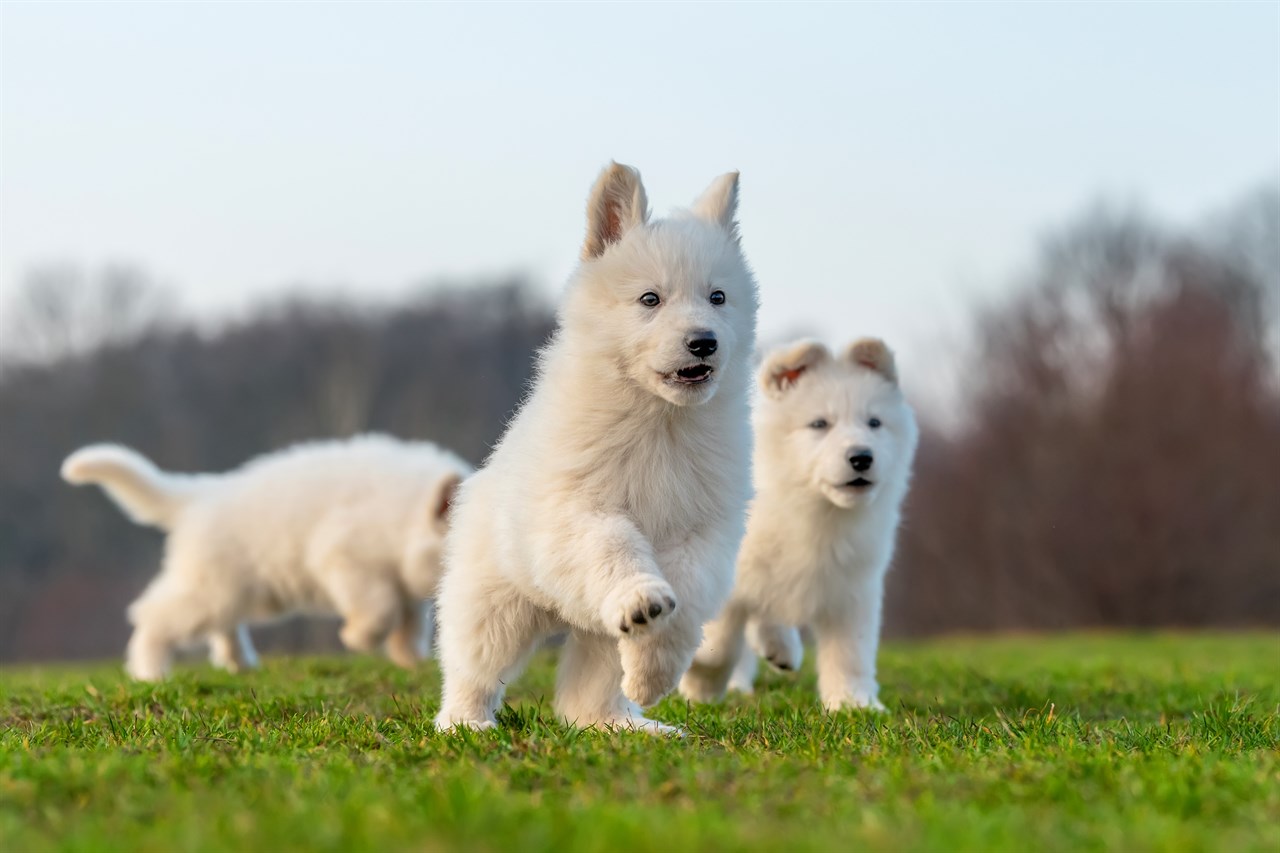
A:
<point x="1114" y="460"/>
<point x="1118" y="461"/>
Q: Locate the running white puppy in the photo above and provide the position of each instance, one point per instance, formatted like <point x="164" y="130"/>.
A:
<point x="354" y="527"/>
<point x="614" y="504"/>
<point x="835" y="439"/>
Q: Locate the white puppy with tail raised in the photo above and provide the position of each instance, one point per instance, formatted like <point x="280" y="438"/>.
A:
<point x="835" y="439"/>
<point x="350" y="527"/>
<point x="614" y="505"/>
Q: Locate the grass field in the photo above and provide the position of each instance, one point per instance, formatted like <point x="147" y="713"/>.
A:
<point x="1162" y="742"/>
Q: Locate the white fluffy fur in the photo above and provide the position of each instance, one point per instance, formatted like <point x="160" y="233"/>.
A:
<point x="614" y="504"/>
<point x="350" y="527"/>
<point x="816" y="550"/>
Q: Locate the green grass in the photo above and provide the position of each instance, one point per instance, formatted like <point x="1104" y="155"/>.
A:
<point x="1163" y="742"/>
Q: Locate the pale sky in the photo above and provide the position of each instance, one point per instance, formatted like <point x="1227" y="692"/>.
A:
<point x="897" y="160"/>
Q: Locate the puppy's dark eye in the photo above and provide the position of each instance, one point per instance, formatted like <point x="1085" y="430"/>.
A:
<point x="874" y="423"/>
<point x="717" y="297"/>
<point x="819" y="423"/>
<point x="650" y="299"/>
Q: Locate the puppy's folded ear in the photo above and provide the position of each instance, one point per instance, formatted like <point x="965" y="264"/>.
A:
<point x="442" y="500"/>
<point x="873" y="354"/>
<point x="617" y="204"/>
<point x="719" y="202"/>
<point x="783" y="367"/>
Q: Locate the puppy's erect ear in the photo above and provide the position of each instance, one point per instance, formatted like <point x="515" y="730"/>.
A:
<point x="873" y="354"/>
<point x="442" y="500"/>
<point x="719" y="202"/>
<point x="617" y="204"/>
<point x="783" y="367"/>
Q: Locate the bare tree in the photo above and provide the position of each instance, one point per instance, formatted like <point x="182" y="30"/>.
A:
<point x="1117" y="465"/>
<point x="59" y="311"/>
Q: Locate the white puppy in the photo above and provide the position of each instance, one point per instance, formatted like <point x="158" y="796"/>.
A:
<point x="354" y="527"/>
<point x="835" y="439"/>
<point x="614" y="504"/>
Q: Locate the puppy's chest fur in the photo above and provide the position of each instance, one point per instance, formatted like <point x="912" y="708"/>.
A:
<point x="671" y="485"/>
<point x="796" y="567"/>
<point x="675" y="475"/>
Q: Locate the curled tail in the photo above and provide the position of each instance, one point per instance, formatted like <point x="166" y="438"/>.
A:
<point x="145" y="493"/>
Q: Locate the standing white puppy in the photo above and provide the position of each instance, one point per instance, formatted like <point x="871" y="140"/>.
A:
<point x="835" y="439"/>
<point x="614" y="504"/>
<point x="354" y="527"/>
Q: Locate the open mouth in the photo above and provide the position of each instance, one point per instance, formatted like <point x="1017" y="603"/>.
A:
<point x="693" y="375"/>
<point x="859" y="483"/>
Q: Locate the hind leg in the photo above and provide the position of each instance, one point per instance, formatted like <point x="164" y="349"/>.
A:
<point x="232" y="649"/>
<point x="487" y="632"/>
<point x="589" y="687"/>
<point x="370" y="607"/>
<point x="404" y="640"/>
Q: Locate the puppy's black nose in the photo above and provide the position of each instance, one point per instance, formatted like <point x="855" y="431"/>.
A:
<point x="701" y="343"/>
<point x="861" y="459"/>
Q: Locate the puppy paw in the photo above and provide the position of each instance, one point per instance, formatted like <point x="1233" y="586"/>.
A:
<point x="701" y="685"/>
<point x="856" y="700"/>
<point x="779" y="645"/>
<point x="448" y="723"/>
<point x="783" y="661"/>
<point x="147" y="661"/>
<point x="359" y="638"/>
<point x="403" y="650"/>
<point x="644" y="724"/>
<point x="147" y="673"/>
<point x="640" y="607"/>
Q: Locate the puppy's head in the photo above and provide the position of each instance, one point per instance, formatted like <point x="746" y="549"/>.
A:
<point x="670" y="303"/>
<point x="838" y="423"/>
<point x="424" y="553"/>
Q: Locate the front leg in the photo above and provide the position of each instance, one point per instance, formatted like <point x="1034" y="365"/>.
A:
<point x="701" y="570"/>
<point x="589" y="687"/>
<point x="847" y="646"/>
<point x="653" y="663"/>
<point x="405" y="639"/>
<point x="600" y="572"/>
<point x="778" y="644"/>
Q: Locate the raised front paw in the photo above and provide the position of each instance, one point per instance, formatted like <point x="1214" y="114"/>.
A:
<point x="640" y="607"/>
